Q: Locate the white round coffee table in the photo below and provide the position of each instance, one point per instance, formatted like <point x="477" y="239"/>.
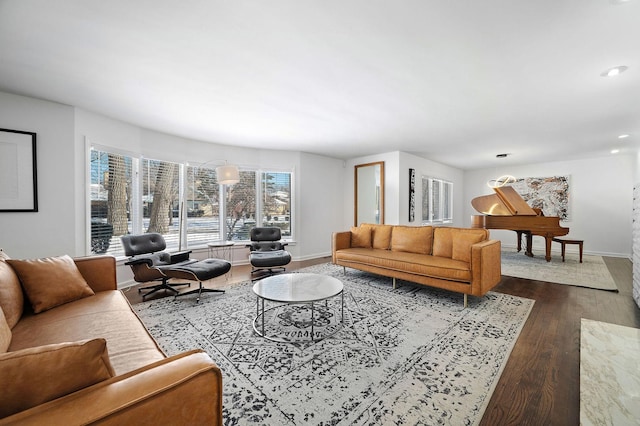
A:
<point x="292" y="289"/>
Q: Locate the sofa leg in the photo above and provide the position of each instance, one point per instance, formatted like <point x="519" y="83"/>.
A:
<point x="344" y="270"/>
<point x="394" y="283"/>
<point x="465" y="300"/>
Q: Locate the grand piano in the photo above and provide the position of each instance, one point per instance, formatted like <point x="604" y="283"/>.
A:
<point x="506" y="209"/>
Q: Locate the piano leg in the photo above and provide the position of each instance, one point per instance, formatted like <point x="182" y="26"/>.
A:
<point x="547" y="241"/>
<point x="519" y="233"/>
<point x="529" y="248"/>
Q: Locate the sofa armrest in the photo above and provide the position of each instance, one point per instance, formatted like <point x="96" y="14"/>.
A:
<point x="98" y="271"/>
<point x="486" y="270"/>
<point x="185" y="389"/>
<point x="339" y="241"/>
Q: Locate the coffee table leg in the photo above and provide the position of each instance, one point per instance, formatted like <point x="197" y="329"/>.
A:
<point x="263" y="318"/>
<point x="312" y="335"/>
<point x="342" y="301"/>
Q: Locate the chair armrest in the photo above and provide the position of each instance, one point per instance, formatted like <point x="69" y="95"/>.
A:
<point x="486" y="268"/>
<point x="180" y="256"/>
<point x="186" y="388"/>
<point x="98" y="271"/>
<point x="339" y="241"/>
<point x="140" y="261"/>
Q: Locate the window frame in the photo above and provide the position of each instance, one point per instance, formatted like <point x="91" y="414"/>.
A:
<point x="135" y="215"/>
<point x="443" y="199"/>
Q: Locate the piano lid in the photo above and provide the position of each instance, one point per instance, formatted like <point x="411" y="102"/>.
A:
<point x="505" y="202"/>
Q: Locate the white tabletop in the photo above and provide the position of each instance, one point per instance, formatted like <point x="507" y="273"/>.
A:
<point x="221" y="244"/>
<point x="297" y="287"/>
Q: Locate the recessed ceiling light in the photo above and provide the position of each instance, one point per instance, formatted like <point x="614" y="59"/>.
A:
<point x="615" y="151"/>
<point x="612" y="72"/>
<point x="623" y="136"/>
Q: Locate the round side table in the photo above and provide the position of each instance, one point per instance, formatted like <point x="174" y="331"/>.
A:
<point x="222" y="250"/>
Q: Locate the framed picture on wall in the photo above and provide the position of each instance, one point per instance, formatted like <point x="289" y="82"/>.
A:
<point x="19" y="185"/>
<point x="412" y="195"/>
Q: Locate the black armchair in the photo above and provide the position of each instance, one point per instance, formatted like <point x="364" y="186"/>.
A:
<point x="266" y="252"/>
<point x="149" y="262"/>
<point x="146" y="256"/>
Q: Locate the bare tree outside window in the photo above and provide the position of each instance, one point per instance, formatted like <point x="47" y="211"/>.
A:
<point x="117" y="195"/>
<point x="162" y="194"/>
<point x="241" y="207"/>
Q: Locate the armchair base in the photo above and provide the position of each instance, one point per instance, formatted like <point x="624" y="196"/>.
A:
<point x="164" y="285"/>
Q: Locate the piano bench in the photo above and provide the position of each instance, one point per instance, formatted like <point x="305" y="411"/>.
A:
<point x="564" y="241"/>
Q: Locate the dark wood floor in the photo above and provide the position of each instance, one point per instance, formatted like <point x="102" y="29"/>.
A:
<point x="540" y="384"/>
<point x="541" y="381"/>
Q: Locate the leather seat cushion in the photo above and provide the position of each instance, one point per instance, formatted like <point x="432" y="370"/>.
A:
<point x="199" y="271"/>
<point x="420" y="264"/>
<point x="107" y="314"/>
<point x="268" y="259"/>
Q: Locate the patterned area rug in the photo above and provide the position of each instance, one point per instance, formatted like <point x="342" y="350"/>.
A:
<point x="407" y="356"/>
<point x="591" y="273"/>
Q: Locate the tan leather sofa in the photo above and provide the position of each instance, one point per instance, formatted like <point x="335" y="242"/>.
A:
<point x="86" y="358"/>
<point x="462" y="260"/>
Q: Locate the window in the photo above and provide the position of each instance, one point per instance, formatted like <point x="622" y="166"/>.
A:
<point x="437" y="201"/>
<point x="202" y="206"/>
<point x="240" y="202"/>
<point x="160" y="200"/>
<point x="136" y="195"/>
<point x="276" y="201"/>
<point x="110" y="197"/>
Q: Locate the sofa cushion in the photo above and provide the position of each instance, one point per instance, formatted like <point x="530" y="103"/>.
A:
<point x="442" y="242"/>
<point x="414" y="263"/>
<point x="27" y="374"/>
<point x="5" y="333"/>
<point x="443" y="239"/>
<point x="11" y="296"/>
<point x="50" y="282"/>
<point x="108" y="314"/>
<point x="412" y="239"/>
<point x="360" y="237"/>
<point x="380" y="235"/>
<point x="462" y="242"/>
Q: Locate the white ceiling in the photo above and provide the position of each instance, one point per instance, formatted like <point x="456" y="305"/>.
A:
<point x="455" y="81"/>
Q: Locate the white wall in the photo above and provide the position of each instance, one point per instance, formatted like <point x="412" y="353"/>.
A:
<point x="601" y="195"/>
<point x="635" y="250"/>
<point x="429" y="169"/>
<point x="601" y="189"/>
<point x="319" y="203"/>
<point x="317" y="180"/>
<point x="396" y="166"/>
<point x="60" y="227"/>
<point x="391" y="194"/>
<point x="51" y="229"/>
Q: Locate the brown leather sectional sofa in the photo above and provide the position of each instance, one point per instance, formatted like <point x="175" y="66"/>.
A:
<point x="72" y="351"/>
<point x="463" y="260"/>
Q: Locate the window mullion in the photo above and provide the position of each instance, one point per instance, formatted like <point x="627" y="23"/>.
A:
<point x="136" y="198"/>
<point x="222" y="212"/>
<point x="261" y="183"/>
<point x="182" y="217"/>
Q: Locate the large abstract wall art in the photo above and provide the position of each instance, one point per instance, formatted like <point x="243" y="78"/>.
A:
<point x="551" y="194"/>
